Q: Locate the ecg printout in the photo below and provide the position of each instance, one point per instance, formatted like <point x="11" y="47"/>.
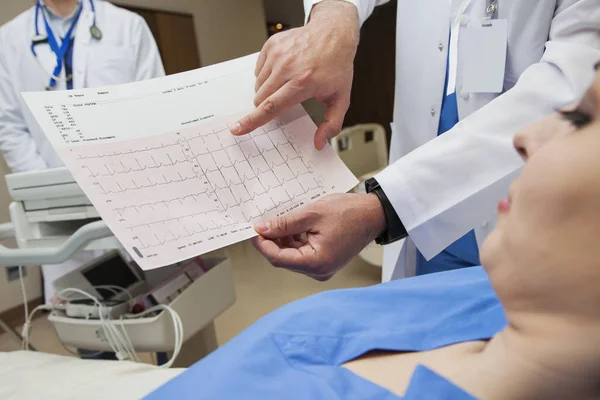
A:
<point x="158" y="162"/>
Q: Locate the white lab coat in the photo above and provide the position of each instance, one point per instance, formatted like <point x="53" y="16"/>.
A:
<point x="127" y="52"/>
<point x="442" y="187"/>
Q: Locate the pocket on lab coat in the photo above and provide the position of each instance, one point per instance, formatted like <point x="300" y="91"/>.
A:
<point x="110" y="65"/>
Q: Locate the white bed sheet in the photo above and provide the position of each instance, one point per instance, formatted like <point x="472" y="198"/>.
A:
<point x="34" y="375"/>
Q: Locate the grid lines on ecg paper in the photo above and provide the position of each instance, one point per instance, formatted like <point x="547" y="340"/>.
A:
<point x="223" y="180"/>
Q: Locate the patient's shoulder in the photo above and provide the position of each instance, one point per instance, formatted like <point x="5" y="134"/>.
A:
<point x="424" y="288"/>
<point x="432" y="298"/>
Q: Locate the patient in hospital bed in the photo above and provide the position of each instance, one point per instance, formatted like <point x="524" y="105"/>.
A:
<point x="526" y="325"/>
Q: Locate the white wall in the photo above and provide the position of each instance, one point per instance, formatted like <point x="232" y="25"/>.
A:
<point x="225" y="29"/>
<point x="11" y="8"/>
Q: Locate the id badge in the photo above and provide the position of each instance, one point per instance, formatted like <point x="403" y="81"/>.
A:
<point x="483" y="56"/>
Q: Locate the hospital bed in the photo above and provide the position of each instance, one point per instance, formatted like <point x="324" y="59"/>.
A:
<point x="32" y="375"/>
<point x="52" y="219"/>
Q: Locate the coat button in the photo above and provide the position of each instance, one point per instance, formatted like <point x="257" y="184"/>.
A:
<point x="484" y="224"/>
<point x="441" y="46"/>
<point x="432" y="112"/>
<point x="464" y="20"/>
<point x="465" y="96"/>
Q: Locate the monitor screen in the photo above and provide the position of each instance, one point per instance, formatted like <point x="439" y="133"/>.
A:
<point x="112" y="271"/>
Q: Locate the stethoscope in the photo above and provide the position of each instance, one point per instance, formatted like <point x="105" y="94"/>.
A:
<point x="59" y="51"/>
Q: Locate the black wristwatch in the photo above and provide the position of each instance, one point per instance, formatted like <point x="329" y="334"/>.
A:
<point x="395" y="228"/>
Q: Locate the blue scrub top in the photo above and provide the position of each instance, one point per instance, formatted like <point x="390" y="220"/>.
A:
<point x="297" y="351"/>
<point x="464" y="252"/>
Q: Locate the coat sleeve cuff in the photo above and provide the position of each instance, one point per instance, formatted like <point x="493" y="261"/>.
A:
<point x="364" y="10"/>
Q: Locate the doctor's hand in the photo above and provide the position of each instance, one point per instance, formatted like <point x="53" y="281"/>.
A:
<point x="322" y="237"/>
<point x="314" y="61"/>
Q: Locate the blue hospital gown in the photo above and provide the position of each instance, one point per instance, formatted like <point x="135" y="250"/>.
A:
<point x="297" y="351"/>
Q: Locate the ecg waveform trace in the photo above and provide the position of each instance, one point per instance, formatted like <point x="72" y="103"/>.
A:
<point x="157" y="160"/>
<point x="196" y="185"/>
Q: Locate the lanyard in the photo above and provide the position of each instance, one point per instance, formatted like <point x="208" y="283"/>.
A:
<point x="61" y="51"/>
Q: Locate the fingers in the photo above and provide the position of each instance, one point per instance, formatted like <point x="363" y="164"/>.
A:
<point x="286" y="226"/>
<point x="299" y="260"/>
<point x="290" y="241"/>
<point x="263" y="56"/>
<point x="262" y="59"/>
<point x="302" y="260"/>
<point x="334" y="118"/>
<point x="300" y="238"/>
<point x="289" y="95"/>
<point x="268" y="87"/>
<point x="265" y="73"/>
